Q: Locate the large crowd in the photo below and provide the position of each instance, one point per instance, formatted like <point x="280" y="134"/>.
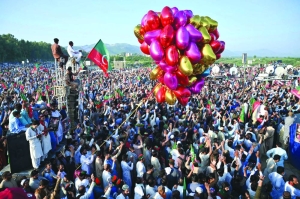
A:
<point x="126" y="145"/>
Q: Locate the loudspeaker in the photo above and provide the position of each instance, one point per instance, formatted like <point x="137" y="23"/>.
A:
<point x="18" y="153"/>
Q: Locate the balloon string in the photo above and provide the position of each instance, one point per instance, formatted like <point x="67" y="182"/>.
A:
<point x="139" y="105"/>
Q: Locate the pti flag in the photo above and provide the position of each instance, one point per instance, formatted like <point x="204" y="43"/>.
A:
<point x="100" y="56"/>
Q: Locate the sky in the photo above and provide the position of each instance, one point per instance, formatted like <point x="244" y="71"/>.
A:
<point x="243" y="24"/>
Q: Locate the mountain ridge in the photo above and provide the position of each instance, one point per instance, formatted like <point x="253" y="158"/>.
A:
<point x="119" y="48"/>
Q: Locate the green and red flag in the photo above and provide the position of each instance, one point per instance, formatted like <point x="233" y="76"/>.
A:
<point x="100" y="56"/>
<point x="37" y="66"/>
<point x="193" y="155"/>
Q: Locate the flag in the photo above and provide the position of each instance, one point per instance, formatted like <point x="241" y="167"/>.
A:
<point x="242" y="115"/>
<point x="100" y="56"/>
<point x="4" y="85"/>
<point x="174" y="145"/>
<point x="37" y="66"/>
<point x="184" y="188"/>
<point x="193" y="155"/>
<point x="120" y="92"/>
<point x="23" y="97"/>
<point x="81" y="65"/>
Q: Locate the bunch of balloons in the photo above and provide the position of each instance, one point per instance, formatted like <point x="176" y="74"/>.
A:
<point x="183" y="46"/>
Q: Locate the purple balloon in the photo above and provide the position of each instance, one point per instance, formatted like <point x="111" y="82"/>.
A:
<point x="197" y="86"/>
<point x="189" y="14"/>
<point x="182" y="38"/>
<point x="152" y="35"/>
<point x="144" y="20"/>
<point x="180" y="19"/>
<point x="193" y="53"/>
<point x="222" y="47"/>
<point x="165" y="67"/>
<point x="174" y="10"/>
<point x="195" y="35"/>
<point x="171" y="81"/>
<point x="156" y="51"/>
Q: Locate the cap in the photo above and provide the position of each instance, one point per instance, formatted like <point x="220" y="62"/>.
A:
<point x="114" y="179"/>
<point x="199" y="190"/>
<point x="97" y="181"/>
<point x="119" y="181"/>
<point x="125" y="187"/>
<point x="141" y="157"/>
<point x="23" y="181"/>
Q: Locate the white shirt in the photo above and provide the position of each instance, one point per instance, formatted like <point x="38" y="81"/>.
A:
<point x="140" y="169"/>
<point x="138" y="191"/>
<point x="71" y="51"/>
<point x="86" y="162"/>
<point x="293" y="191"/>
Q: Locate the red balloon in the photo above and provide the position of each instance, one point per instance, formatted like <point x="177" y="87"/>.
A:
<point x="183" y="95"/>
<point x="167" y="36"/>
<point x="145" y="48"/>
<point x="142" y="31"/>
<point x="160" y="95"/>
<point x="215" y="45"/>
<point x="216" y="33"/>
<point x="141" y="41"/>
<point x="161" y="79"/>
<point x="153" y="21"/>
<point x="172" y="55"/>
<point x="166" y="16"/>
<point x="218" y="56"/>
<point x="212" y="36"/>
<point x="182" y="79"/>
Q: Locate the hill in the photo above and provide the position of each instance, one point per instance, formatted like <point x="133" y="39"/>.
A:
<point x="119" y="48"/>
<point x="114" y="49"/>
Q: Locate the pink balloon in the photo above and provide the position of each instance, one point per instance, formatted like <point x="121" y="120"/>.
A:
<point x="174" y="10"/>
<point x="193" y="53"/>
<point x="195" y="35"/>
<point x="197" y="86"/>
<point x="152" y="35"/>
<point x="171" y="80"/>
<point x="166" y="68"/>
<point x="144" y="20"/>
<point x="182" y="38"/>
<point x="156" y="51"/>
<point x="180" y="19"/>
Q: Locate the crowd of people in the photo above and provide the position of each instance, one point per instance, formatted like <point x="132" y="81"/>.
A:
<point x="126" y="145"/>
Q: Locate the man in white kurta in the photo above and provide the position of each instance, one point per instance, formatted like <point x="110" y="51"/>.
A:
<point x="46" y="139"/>
<point x="35" y="145"/>
<point x="74" y="53"/>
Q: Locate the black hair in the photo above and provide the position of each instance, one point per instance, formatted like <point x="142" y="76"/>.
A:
<point x="56" y="40"/>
